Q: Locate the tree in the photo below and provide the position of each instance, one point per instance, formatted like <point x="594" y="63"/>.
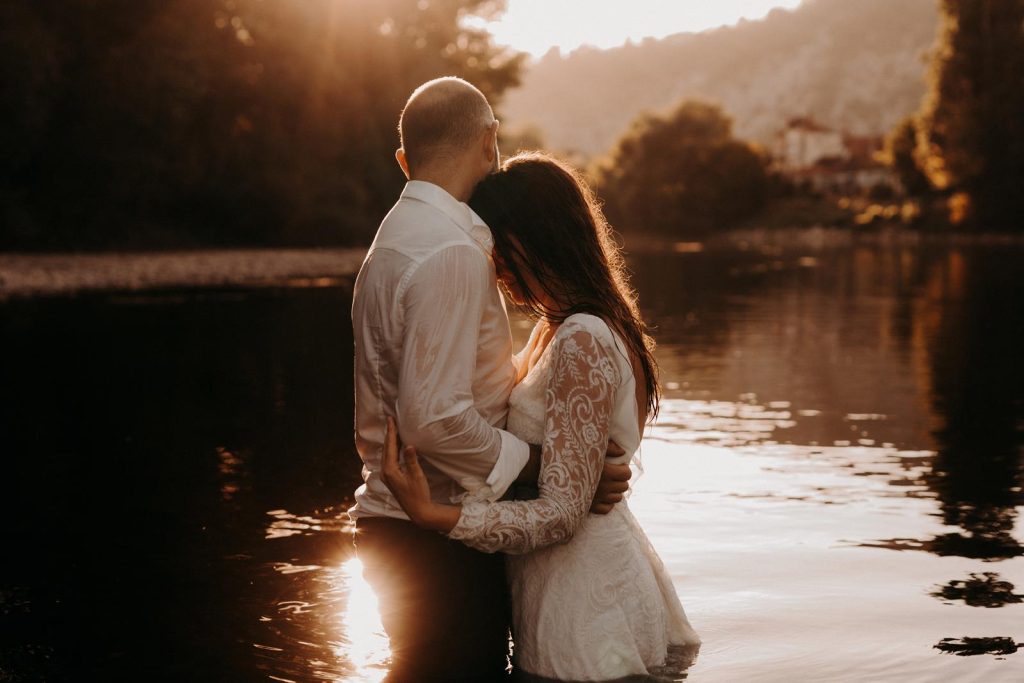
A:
<point x="682" y="174"/>
<point x="902" y="150"/>
<point x="141" y="123"/>
<point x="974" y="115"/>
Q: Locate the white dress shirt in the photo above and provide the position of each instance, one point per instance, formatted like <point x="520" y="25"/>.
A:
<point x="433" y="348"/>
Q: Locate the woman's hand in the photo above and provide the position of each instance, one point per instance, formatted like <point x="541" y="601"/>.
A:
<point x="407" y="482"/>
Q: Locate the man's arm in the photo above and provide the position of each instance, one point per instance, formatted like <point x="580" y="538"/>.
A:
<point x="613" y="485"/>
<point x="443" y="303"/>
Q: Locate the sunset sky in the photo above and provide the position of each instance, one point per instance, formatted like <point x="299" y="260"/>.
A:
<point x="535" y="26"/>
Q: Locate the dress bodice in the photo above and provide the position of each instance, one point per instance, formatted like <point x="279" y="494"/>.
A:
<point x="526" y="416"/>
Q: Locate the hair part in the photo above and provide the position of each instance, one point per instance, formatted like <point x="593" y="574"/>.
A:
<point x="441" y="119"/>
<point x="543" y="214"/>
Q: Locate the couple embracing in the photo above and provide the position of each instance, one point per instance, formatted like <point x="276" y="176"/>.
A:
<point x="505" y="508"/>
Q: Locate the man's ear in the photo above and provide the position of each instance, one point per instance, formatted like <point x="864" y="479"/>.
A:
<point x="490" y="144"/>
<point x="400" y="158"/>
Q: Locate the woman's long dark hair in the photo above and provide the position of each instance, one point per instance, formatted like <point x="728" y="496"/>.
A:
<point x="542" y="212"/>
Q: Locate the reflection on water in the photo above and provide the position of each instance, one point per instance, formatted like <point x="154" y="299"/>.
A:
<point x="980" y="590"/>
<point x="906" y="347"/>
<point x="965" y="647"/>
<point x="328" y="630"/>
<point x="288" y="524"/>
<point x="365" y="644"/>
<point x="178" y="466"/>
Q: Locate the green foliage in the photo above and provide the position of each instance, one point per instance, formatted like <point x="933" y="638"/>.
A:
<point x="902" y="150"/>
<point x="974" y="118"/>
<point x="683" y="175"/>
<point x="139" y="123"/>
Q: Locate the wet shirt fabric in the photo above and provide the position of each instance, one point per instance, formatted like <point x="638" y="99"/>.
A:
<point x="434" y="349"/>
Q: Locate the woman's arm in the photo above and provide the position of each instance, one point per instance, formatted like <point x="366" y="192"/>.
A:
<point x="578" y="403"/>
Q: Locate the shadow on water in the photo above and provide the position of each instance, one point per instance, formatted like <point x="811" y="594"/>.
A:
<point x="177" y="464"/>
<point x="145" y="439"/>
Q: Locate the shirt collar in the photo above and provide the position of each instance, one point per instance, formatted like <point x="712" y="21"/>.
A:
<point x="459" y="212"/>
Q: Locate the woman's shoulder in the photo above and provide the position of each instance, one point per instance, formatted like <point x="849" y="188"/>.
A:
<point x="586" y="322"/>
<point x="592" y="326"/>
<point x="588" y="339"/>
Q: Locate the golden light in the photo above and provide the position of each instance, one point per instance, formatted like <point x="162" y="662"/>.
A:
<point x="364" y="643"/>
<point x="535" y="26"/>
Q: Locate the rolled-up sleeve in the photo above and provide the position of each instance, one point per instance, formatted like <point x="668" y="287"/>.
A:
<point x="444" y="300"/>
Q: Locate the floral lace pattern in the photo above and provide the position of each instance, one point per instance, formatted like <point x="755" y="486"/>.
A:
<point x="578" y="401"/>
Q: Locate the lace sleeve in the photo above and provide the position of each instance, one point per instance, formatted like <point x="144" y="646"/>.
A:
<point x="578" y="405"/>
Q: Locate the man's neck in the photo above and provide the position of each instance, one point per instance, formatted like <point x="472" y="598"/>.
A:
<point x="454" y="184"/>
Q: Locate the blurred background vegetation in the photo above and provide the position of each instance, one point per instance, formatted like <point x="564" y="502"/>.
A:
<point x="969" y="135"/>
<point x="685" y="168"/>
<point x="191" y="123"/>
<point x="164" y="123"/>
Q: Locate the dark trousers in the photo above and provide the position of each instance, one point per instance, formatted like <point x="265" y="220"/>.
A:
<point x="445" y="607"/>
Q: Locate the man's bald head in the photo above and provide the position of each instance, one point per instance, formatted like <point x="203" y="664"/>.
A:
<point x="442" y="118"/>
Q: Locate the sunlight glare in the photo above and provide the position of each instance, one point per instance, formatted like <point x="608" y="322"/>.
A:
<point x="364" y="644"/>
<point x="535" y="26"/>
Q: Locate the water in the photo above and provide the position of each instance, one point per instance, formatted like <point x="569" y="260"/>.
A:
<point x="834" y="482"/>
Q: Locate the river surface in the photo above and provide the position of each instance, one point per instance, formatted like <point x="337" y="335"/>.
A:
<point x="834" y="482"/>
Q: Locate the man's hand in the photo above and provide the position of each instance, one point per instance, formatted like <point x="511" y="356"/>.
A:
<point x="528" y="475"/>
<point x="614" y="482"/>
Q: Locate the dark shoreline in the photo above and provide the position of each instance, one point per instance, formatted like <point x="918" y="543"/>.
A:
<point x="34" y="274"/>
<point x="28" y="274"/>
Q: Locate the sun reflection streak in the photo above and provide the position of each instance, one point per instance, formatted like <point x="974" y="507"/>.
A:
<point x="364" y="643"/>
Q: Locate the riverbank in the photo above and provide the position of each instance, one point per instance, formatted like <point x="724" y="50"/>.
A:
<point x="48" y="274"/>
<point x="26" y="275"/>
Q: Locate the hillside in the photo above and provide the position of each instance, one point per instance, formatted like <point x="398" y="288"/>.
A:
<point x="854" y="65"/>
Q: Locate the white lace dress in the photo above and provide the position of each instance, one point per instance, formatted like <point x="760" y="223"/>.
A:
<point x="592" y="601"/>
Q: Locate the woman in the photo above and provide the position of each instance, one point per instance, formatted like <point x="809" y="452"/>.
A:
<point x="591" y="599"/>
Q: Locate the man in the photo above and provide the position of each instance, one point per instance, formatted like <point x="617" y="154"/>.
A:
<point x="433" y="349"/>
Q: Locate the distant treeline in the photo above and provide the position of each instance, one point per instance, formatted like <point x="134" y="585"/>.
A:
<point x="181" y="123"/>
<point x="155" y="123"/>
<point x="960" y="159"/>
